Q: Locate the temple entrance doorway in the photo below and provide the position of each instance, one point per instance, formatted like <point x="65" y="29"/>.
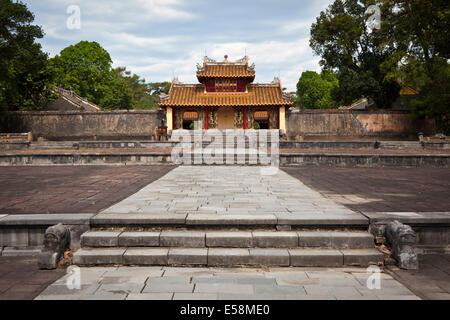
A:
<point x="225" y="118"/>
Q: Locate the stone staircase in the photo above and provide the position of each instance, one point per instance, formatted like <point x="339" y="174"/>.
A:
<point x="228" y="147"/>
<point x="219" y="246"/>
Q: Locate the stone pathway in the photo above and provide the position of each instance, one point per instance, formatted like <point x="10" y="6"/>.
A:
<point x="170" y="283"/>
<point x="229" y="190"/>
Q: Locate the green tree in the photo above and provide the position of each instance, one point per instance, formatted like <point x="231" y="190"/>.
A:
<point x="340" y="37"/>
<point x="24" y="72"/>
<point x="86" y="68"/>
<point x="419" y="32"/>
<point x="314" y="90"/>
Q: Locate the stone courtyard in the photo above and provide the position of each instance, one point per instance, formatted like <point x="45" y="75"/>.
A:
<point x="226" y="192"/>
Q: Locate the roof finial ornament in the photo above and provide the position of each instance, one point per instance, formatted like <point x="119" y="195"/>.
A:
<point x="226" y="58"/>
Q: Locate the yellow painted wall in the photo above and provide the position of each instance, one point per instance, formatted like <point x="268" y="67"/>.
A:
<point x="169" y="118"/>
<point x="283" y="119"/>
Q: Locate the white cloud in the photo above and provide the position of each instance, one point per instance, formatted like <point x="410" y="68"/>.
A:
<point x="157" y="39"/>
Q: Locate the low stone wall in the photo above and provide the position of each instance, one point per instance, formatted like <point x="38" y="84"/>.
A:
<point x="74" y="125"/>
<point x="332" y="124"/>
<point x="297" y="159"/>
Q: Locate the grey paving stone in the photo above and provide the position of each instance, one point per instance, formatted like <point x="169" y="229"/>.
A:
<point x="396" y="297"/>
<point x="122" y="288"/>
<point x="227" y="219"/>
<point x="269" y="257"/>
<point x="117" y="280"/>
<point x="182" y="239"/>
<point x="279" y="290"/>
<point x="150" y="296"/>
<point x="139" y="239"/>
<point x="188" y="256"/>
<point x="362" y="257"/>
<point x="169" y="280"/>
<point x="228" y="257"/>
<point x="63" y="290"/>
<point x="100" y="239"/>
<point x="315" y="258"/>
<point x="230" y="239"/>
<point x="223" y="288"/>
<point x="111" y="296"/>
<point x="98" y="256"/>
<point x="195" y="296"/>
<point x="58" y="297"/>
<point x="146" y="256"/>
<point x="280" y="239"/>
<point x="169" y="288"/>
<point x="251" y="297"/>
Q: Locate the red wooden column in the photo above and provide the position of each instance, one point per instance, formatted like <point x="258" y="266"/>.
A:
<point x="206" y="118"/>
<point x="245" y="118"/>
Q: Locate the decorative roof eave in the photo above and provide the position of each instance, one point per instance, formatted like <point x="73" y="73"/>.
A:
<point x="210" y="63"/>
<point x="193" y="95"/>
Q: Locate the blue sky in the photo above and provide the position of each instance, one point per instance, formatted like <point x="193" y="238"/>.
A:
<point x="157" y="39"/>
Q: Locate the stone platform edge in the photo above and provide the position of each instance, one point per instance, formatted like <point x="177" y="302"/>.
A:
<point x="286" y="159"/>
<point x="27" y="231"/>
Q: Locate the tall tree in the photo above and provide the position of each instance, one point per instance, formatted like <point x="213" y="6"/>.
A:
<point x="85" y="68"/>
<point x="24" y="75"/>
<point x="144" y="95"/>
<point x="314" y="90"/>
<point x="419" y="33"/>
<point x="340" y="36"/>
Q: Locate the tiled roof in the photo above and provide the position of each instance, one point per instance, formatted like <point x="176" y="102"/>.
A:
<point x="225" y="71"/>
<point x="194" y="95"/>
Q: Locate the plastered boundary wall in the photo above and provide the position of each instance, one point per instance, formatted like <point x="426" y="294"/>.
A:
<point x="310" y="124"/>
<point x="301" y="124"/>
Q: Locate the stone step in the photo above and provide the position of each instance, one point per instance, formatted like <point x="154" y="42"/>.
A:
<point x="111" y="218"/>
<point x="227" y="257"/>
<point x="231" y="239"/>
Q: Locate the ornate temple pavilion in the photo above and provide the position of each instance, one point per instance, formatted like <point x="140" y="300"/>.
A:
<point x="226" y="98"/>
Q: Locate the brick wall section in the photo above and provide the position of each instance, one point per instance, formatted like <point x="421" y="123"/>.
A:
<point x="74" y="125"/>
<point x="359" y="124"/>
<point x="308" y="124"/>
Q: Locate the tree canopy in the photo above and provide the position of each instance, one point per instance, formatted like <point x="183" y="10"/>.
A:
<point x="419" y="33"/>
<point x="410" y="48"/>
<point x="314" y="90"/>
<point x="340" y="36"/>
<point x="24" y="76"/>
<point x="86" y="68"/>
